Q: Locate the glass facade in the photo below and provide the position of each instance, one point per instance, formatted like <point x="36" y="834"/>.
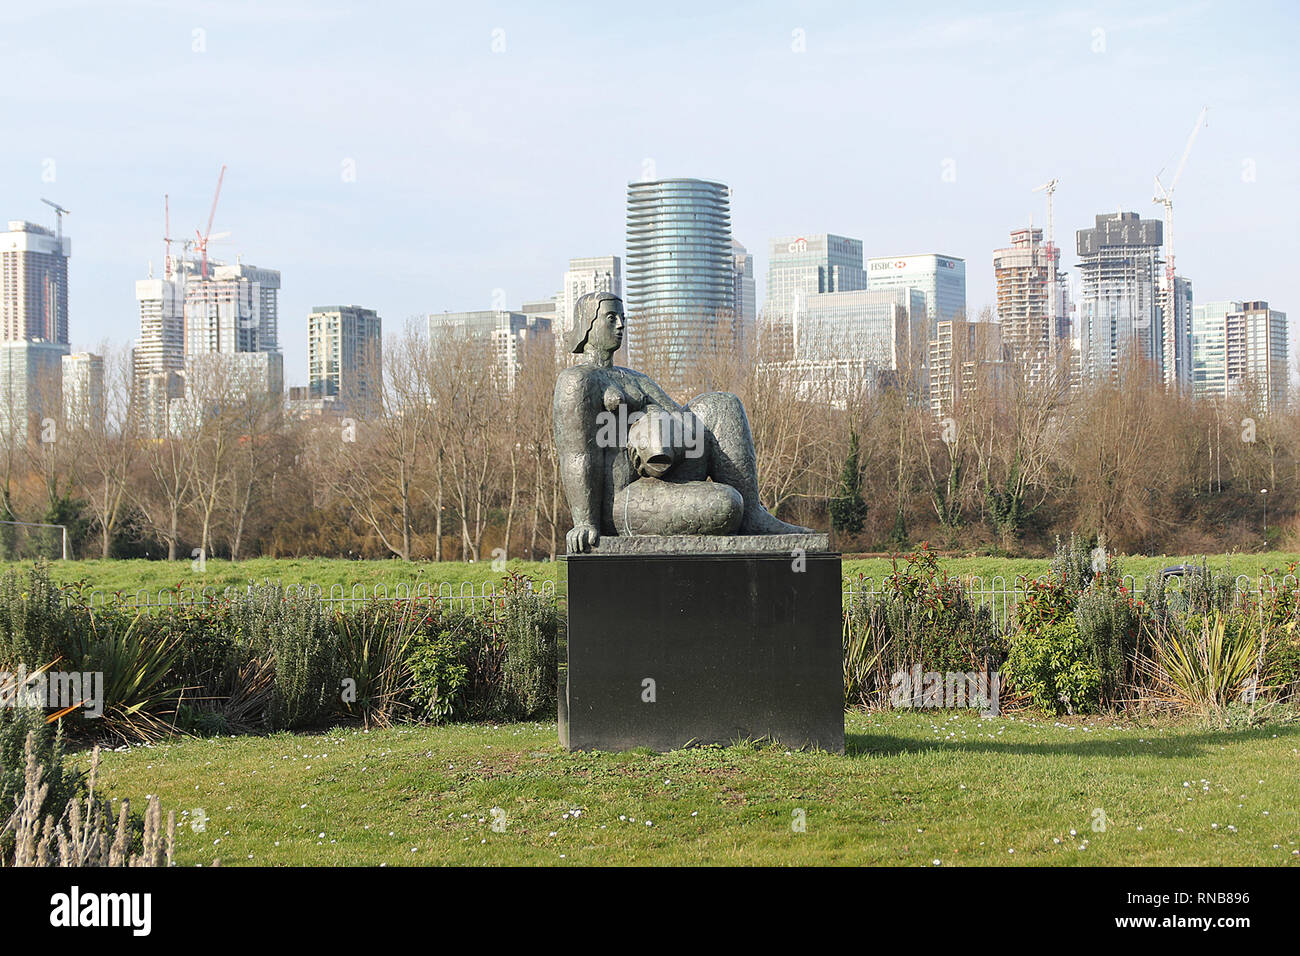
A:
<point x="801" y="266"/>
<point x="679" y="271"/>
<point x="861" y="325"/>
<point x="1209" y="348"/>
<point x="941" y="278"/>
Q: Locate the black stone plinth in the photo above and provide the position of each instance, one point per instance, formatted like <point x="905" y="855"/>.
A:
<point x="738" y="646"/>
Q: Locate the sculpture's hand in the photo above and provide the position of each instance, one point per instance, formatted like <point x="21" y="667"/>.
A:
<point x="582" y="538"/>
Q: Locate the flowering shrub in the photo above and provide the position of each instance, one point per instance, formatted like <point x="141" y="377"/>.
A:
<point x="1055" y="666"/>
<point x="921" y="616"/>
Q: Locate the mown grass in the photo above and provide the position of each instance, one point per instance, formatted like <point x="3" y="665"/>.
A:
<point x="153" y="576"/>
<point x="914" y="788"/>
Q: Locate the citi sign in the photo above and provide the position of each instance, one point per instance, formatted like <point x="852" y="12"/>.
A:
<point x="799" y="245"/>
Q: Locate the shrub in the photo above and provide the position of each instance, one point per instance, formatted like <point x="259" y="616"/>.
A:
<point x="492" y="663"/>
<point x="77" y="835"/>
<point x="1108" y="624"/>
<point x="528" y="626"/>
<point x="36" y="622"/>
<point x="439" y="662"/>
<point x="1079" y="619"/>
<point x="291" y="629"/>
<point x="139" y="666"/>
<point x="921" y="616"/>
<point x="1055" y="665"/>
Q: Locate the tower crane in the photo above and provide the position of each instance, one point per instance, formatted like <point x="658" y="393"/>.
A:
<point x="202" y="244"/>
<point x="59" y="213"/>
<point x="1049" y="187"/>
<point x="1165" y="196"/>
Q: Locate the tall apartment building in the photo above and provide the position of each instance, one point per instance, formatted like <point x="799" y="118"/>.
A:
<point x="33" y="284"/>
<point x="83" y="389"/>
<point x="161" y="346"/>
<point x="345" y="358"/>
<point x="1027" y="277"/>
<point x="1119" y="306"/>
<point x="589" y="274"/>
<point x="31" y="388"/>
<point x="799" y="267"/>
<point x="1239" y="348"/>
<point x="680" y="273"/>
<point x="510" y="336"/>
<point x="234" y="309"/>
<point x="941" y="278"/>
<point x="963" y="356"/>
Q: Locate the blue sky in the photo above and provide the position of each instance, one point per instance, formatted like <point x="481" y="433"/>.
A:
<point x="478" y="169"/>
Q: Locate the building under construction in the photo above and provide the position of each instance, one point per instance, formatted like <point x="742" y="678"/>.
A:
<point x="1119" y="299"/>
<point x="33" y="284"/>
<point x="1027" y="276"/>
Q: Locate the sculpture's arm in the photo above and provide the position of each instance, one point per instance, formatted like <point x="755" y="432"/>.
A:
<point x="581" y="460"/>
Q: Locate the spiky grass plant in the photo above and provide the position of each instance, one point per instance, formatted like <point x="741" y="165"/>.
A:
<point x="139" y="674"/>
<point x="375" y="644"/>
<point x="1203" y="669"/>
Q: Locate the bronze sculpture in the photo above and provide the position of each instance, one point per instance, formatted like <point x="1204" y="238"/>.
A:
<point x="634" y="462"/>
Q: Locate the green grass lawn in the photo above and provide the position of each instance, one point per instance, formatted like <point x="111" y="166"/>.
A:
<point x="914" y="788"/>
<point x="153" y="576"/>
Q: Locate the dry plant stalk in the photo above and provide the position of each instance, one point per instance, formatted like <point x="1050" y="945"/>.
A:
<point x="82" y="836"/>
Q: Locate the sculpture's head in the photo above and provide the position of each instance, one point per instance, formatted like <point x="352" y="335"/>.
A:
<point x="597" y="320"/>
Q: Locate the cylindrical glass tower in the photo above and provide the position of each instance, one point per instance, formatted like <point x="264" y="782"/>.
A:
<point x="679" y="270"/>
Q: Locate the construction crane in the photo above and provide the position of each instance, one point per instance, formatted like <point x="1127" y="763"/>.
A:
<point x="1049" y="187"/>
<point x="59" y="213"/>
<point x="202" y="244"/>
<point x="167" y="238"/>
<point x="1165" y="196"/>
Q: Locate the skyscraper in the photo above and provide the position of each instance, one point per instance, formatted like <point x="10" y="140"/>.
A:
<point x="345" y="357"/>
<point x="941" y="278"/>
<point x="744" y="292"/>
<point x="161" y="346"/>
<point x="1026" y="278"/>
<point x="802" y="266"/>
<point x="680" y="273"/>
<point x="963" y="356"/>
<point x="83" y="389"/>
<point x="1240" y="349"/>
<point x="31" y="389"/>
<point x="33" y="284"/>
<point x="1176" y="331"/>
<point x="234" y="309"/>
<point x="1210" y="348"/>
<point x="1119" y="309"/>
<point x="845" y="344"/>
<point x="590" y="274"/>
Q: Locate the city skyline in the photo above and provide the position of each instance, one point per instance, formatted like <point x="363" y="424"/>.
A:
<point x="350" y="209"/>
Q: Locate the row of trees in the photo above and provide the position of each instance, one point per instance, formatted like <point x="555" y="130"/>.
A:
<point x="458" y="466"/>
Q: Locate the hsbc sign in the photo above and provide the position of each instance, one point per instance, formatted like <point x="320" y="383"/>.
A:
<point x="903" y="265"/>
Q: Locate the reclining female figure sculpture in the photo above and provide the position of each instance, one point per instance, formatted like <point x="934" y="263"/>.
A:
<point x="677" y="470"/>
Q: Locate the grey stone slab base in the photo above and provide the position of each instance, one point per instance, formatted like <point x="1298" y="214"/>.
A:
<point x="665" y="651"/>
<point x="712" y="544"/>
